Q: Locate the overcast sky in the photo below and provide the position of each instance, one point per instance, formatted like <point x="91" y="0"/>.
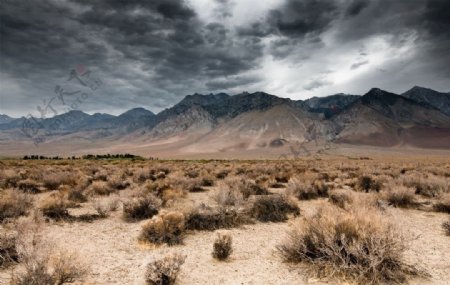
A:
<point x="153" y="53"/>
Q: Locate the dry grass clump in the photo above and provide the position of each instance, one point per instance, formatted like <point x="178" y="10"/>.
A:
<point x="42" y="264"/>
<point x="101" y="188"/>
<point x="357" y="245"/>
<point x="367" y="183"/>
<point x="222" y="174"/>
<point x="222" y="247"/>
<point x="443" y="205"/>
<point x="342" y="198"/>
<point x="142" y="207"/>
<point x="212" y="219"/>
<point x="431" y="186"/>
<point x="400" y="196"/>
<point x="10" y="178"/>
<point x="13" y="204"/>
<point x="251" y="187"/>
<point x="164" y="271"/>
<point x="29" y="186"/>
<point x="52" y="180"/>
<point x="76" y="195"/>
<point x="305" y="190"/>
<point x="118" y="183"/>
<point x="166" y="228"/>
<point x="273" y="208"/>
<point x="8" y="251"/>
<point x="225" y="195"/>
<point x="55" y="207"/>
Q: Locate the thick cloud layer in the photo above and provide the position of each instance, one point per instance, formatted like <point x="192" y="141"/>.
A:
<point x="151" y="53"/>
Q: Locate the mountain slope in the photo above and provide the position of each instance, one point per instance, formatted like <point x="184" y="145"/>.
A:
<point x="440" y="101"/>
<point x="386" y="119"/>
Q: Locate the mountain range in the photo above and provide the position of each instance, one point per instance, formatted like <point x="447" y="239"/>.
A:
<point x="213" y="123"/>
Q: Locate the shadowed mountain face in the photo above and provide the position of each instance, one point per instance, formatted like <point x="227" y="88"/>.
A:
<point x="220" y="122"/>
<point x="440" y="101"/>
<point x="329" y="105"/>
<point x="386" y="119"/>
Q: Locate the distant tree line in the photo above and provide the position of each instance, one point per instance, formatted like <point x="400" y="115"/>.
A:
<point x="87" y="156"/>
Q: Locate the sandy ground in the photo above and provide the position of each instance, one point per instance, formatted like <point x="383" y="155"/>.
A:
<point x="111" y="249"/>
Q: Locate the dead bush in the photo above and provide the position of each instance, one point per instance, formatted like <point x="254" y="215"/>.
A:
<point x="100" y="188"/>
<point x="306" y="190"/>
<point x="367" y="184"/>
<point x="212" y="219"/>
<point x="222" y="174"/>
<point x="142" y="207"/>
<point x="164" y="271"/>
<point x="249" y="187"/>
<point x="76" y="195"/>
<point x="13" y="204"/>
<point x="222" y="247"/>
<point x="431" y="186"/>
<point x="273" y="208"/>
<point x="42" y="264"/>
<point x="10" y="178"/>
<point x="118" y="183"/>
<point x="55" y="207"/>
<point x="341" y="198"/>
<point x="29" y="186"/>
<point x="443" y="205"/>
<point x="352" y="245"/>
<point x="400" y="196"/>
<point x="52" y="180"/>
<point x="227" y="196"/>
<point x="8" y="251"/>
<point x="166" y="228"/>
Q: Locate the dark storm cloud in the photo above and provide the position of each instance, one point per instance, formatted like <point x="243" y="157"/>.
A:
<point x="174" y="51"/>
<point x="356" y="7"/>
<point x="152" y="52"/>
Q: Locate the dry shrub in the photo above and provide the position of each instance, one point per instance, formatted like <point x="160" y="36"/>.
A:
<point x="273" y="208"/>
<point x="227" y="196"/>
<point x="142" y="207"/>
<point x="166" y="228"/>
<point x="222" y="247"/>
<point x="55" y="207"/>
<point x="29" y="186"/>
<point x="76" y="195"/>
<point x="164" y="271"/>
<point x="342" y="198"/>
<point x="43" y="264"/>
<point x="443" y="205"/>
<point x="207" y="181"/>
<point x="100" y="188"/>
<point x="10" y="178"/>
<point x="165" y="192"/>
<point x="305" y="190"/>
<point x="52" y="180"/>
<point x="118" y="183"/>
<point x="446" y="227"/>
<point x="367" y="183"/>
<point x="8" y="251"/>
<point x="104" y="207"/>
<point x="431" y="186"/>
<point x="222" y="174"/>
<point x="209" y="219"/>
<point x="249" y="187"/>
<point x="13" y="204"/>
<point x="400" y="196"/>
<point x="357" y="245"/>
